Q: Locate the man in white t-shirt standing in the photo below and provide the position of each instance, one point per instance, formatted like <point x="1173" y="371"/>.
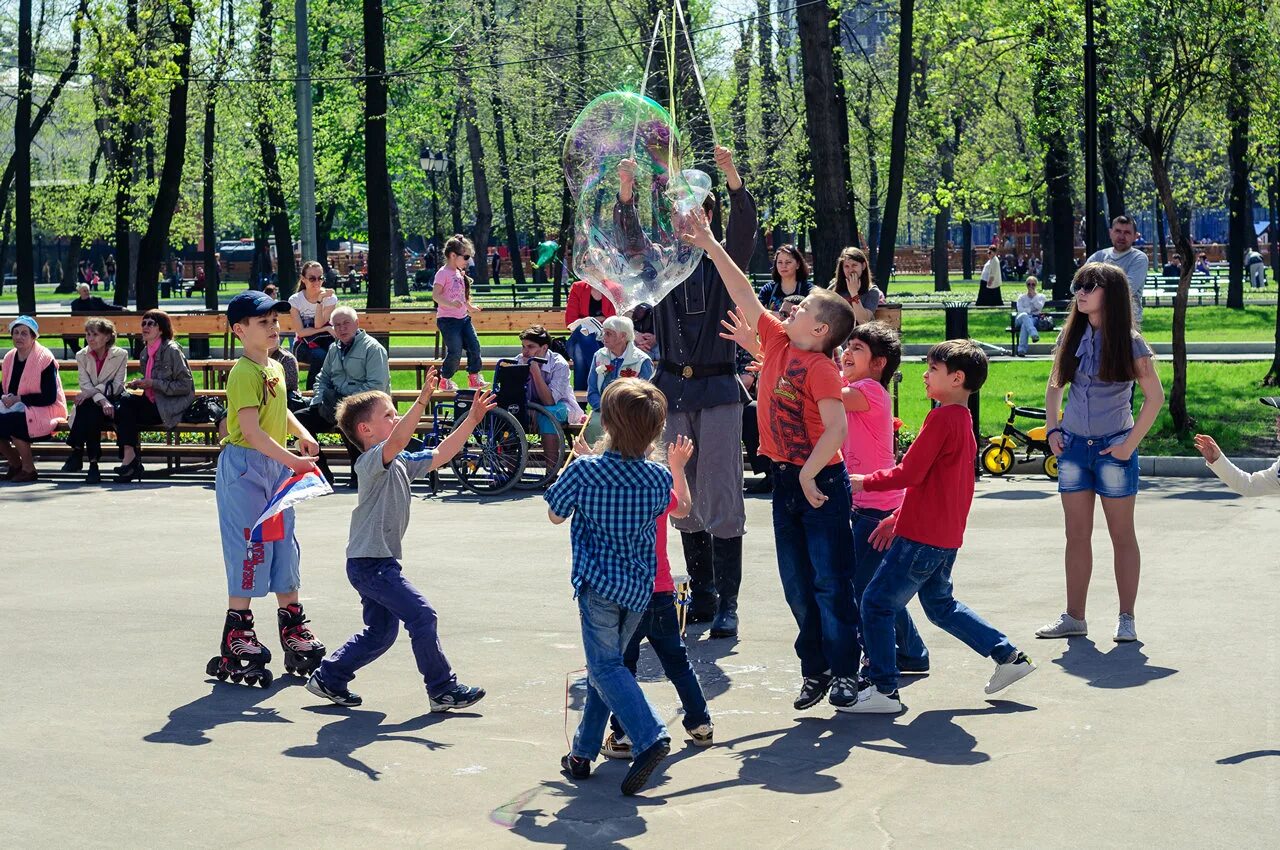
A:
<point x="1131" y="260"/>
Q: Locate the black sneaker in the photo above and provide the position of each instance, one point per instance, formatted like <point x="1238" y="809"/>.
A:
<point x="812" y="691"/>
<point x="644" y="766"/>
<point x="74" y="462"/>
<point x="345" y="698"/>
<point x="578" y="768"/>
<point x="844" y="691"/>
<point x="459" y="696"/>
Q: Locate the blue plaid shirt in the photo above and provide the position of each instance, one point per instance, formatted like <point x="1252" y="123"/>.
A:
<point x="615" y="505"/>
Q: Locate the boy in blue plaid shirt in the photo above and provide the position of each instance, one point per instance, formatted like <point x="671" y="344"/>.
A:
<point x="615" y="499"/>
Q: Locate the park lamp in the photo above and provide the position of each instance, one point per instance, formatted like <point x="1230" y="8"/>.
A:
<point x="433" y="161"/>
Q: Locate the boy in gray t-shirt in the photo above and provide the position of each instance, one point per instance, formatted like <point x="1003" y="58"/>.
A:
<point x="385" y="470"/>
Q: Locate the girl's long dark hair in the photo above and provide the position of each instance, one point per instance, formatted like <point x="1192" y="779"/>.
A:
<point x="802" y="267"/>
<point x="1117" y="362"/>
<point x="840" y="284"/>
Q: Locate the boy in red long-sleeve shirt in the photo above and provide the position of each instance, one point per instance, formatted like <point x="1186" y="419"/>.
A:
<point x="925" y="534"/>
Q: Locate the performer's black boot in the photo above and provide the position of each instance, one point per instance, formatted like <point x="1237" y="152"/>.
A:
<point x="727" y="557"/>
<point x="702" y="582"/>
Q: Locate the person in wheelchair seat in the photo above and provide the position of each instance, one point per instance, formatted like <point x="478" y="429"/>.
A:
<point x="550" y="385"/>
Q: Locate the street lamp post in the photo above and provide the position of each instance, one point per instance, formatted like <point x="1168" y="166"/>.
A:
<point x="1090" y="133"/>
<point x="434" y="163"/>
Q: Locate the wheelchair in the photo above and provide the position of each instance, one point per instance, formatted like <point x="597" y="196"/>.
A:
<point x="505" y="451"/>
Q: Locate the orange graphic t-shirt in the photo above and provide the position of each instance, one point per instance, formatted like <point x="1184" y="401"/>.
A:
<point x="792" y="382"/>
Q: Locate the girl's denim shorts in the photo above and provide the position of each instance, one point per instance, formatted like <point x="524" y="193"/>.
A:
<point x="1081" y="466"/>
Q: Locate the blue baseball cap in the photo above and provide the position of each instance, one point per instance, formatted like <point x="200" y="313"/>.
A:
<point x="252" y="303"/>
<point x="26" y="321"/>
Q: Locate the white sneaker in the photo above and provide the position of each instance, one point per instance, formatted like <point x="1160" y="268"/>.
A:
<point x="1009" y="672"/>
<point x="447" y="386"/>
<point x="703" y="736"/>
<point x="1066" y="626"/>
<point x="871" y="701"/>
<point x="1125" y="630"/>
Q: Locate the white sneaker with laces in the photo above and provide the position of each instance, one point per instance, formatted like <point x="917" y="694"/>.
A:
<point x="871" y="701"/>
<point x="1065" y="626"/>
<point x="1009" y="672"/>
<point x="1125" y="629"/>
<point x="703" y="736"/>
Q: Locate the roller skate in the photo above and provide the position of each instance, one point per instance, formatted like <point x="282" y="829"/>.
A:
<point x="242" y="658"/>
<point x="302" y="652"/>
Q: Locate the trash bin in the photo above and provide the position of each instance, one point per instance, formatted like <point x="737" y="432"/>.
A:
<point x="198" y="348"/>
<point x="957" y="319"/>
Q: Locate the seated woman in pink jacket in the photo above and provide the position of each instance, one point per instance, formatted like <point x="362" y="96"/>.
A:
<point x="32" y="404"/>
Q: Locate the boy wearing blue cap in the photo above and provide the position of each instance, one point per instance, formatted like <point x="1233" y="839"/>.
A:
<point x="253" y="464"/>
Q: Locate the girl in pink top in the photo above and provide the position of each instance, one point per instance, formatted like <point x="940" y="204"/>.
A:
<point x="867" y="365"/>
<point x="452" y="295"/>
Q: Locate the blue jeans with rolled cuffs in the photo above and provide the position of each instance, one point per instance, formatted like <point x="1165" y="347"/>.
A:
<point x="909" y="568"/>
<point x="607" y="628"/>
<point x="912" y="653"/>
<point x="1082" y="466"/>
<point x="459" y="335"/>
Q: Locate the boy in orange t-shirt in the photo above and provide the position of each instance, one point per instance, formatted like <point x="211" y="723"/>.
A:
<point x="802" y="427"/>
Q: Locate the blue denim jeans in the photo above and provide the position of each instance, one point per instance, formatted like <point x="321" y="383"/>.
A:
<point x="388" y="600"/>
<point x="1026" y="325"/>
<point x="910" y="568"/>
<point x="815" y="562"/>
<point x="606" y="630"/>
<point x="912" y="653"/>
<point x="459" y="334"/>
<point x="661" y="626"/>
<point x="582" y="347"/>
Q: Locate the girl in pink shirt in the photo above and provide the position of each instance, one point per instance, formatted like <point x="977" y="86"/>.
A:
<point x="867" y="365"/>
<point x="452" y="295"/>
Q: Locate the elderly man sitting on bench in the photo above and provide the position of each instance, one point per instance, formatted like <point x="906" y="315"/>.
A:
<point x="355" y="364"/>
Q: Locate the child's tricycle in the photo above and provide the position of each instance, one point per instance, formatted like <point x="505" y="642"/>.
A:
<point x="998" y="457"/>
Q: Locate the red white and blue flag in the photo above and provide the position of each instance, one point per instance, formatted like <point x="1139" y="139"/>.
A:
<point x="298" y="488"/>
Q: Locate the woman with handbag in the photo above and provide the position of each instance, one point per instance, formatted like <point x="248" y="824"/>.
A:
<point x="1028" y="321"/>
<point x="167" y="391"/>
<point x="312" y="306"/>
<point x="103" y="368"/>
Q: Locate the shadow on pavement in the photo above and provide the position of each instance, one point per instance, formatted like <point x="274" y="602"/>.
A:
<point x="595" y="813"/>
<point x="1243" y="757"/>
<point x="357" y="729"/>
<point x="1205" y="496"/>
<point x="1018" y="495"/>
<point x="1124" y="666"/>
<point x="226" y="703"/>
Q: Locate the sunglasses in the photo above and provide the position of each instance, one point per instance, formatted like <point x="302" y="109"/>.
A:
<point x="150" y="323"/>
<point x="466" y="256"/>
<point x="1086" y="287"/>
<point x="315" y="279"/>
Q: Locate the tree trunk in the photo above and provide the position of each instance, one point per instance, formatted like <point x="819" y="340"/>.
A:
<point x="966" y="249"/>
<point x="455" y="179"/>
<point x="22" y="155"/>
<point x="873" y="173"/>
<point x="399" y="276"/>
<point x="942" y="220"/>
<point x="769" y="129"/>
<point x="212" y="273"/>
<point x="1182" y="421"/>
<point x="897" y="148"/>
<point x="156" y="240"/>
<point x="1057" y="174"/>
<point x="377" y="180"/>
<point x="1112" y="172"/>
<point x="475" y="151"/>
<point x="827" y="118"/>
<point x="1273" y="192"/>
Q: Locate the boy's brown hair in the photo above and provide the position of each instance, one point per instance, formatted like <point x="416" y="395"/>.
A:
<point x="962" y="355"/>
<point x="834" y="312"/>
<point x="883" y="341"/>
<point x="358" y="408"/>
<point x="634" y="412"/>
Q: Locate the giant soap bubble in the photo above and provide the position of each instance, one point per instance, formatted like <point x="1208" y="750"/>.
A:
<point x="636" y="258"/>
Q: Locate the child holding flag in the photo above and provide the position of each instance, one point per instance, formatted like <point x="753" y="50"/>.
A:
<point x="253" y="466"/>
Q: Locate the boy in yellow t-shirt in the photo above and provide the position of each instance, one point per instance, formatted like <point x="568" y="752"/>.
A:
<point x="251" y="467"/>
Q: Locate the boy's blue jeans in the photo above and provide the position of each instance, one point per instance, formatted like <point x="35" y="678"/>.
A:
<point x="815" y="562"/>
<point x="912" y="654"/>
<point x="459" y="334"/>
<point x="661" y="626"/>
<point x="606" y="629"/>
<point x="388" y="600"/>
<point x="910" y="568"/>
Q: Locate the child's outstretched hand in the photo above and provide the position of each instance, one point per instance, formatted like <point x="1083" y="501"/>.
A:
<point x="627" y="176"/>
<point x="1207" y="447"/>
<point x="883" y="535"/>
<point x="581" y="447"/>
<point x="695" y="230"/>
<point x="739" y="330"/>
<point x="484" y="402"/>
<point x="429" y="386"/>
<point x="680" y="452"/>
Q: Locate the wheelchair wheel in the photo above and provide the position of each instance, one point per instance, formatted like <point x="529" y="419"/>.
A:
<point x="493" y="457"/>
<point x="545" y="455"/>
<point x="997" y="459"/>
<point x="1050" y="466"/>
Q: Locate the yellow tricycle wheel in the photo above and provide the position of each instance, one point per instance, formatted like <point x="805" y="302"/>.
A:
<point x="997" y="460"/>
<point x="1051" y="466"/>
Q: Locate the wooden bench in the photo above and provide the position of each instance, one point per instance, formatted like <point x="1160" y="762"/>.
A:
<point x="197" y="325"/>
<point x="1202" y="286"/>
<point x="1056" y="310"/>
